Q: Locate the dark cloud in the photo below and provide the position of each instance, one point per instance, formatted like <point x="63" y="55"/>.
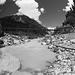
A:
<point x="8" y="8"/>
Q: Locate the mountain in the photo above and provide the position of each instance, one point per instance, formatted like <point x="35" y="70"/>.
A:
<point x="22" y="25"/>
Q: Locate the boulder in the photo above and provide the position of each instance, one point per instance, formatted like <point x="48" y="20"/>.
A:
<point x="73" y="41"/>
<point x="9" y="63"/>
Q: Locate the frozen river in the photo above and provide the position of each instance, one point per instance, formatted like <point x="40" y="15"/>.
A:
<point x="32" y="55"/>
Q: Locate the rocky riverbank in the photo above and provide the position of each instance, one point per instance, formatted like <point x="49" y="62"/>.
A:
<point x="64" y="46"/>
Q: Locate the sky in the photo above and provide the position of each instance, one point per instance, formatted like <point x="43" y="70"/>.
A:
<point x="50" y="13"/>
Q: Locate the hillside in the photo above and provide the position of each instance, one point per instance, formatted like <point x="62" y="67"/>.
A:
<point x="63" y="30"/>
<point x="22" y="25"/>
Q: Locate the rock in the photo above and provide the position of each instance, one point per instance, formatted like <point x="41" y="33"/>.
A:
<point x="50" y="46"/>
<point x="9" y="63"/>
<point x="67" y="74"/>
<point x="40" y="74"/>
<point x="5" y="73"/>
<point x="43" y="43"/>
<point x="73" y="41"/>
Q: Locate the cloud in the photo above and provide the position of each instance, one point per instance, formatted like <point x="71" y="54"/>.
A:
<point x="2" y="2"/>
<point x="70" y="3"/>
<point x="42" y="10"/>
<point x="29" y="8"/>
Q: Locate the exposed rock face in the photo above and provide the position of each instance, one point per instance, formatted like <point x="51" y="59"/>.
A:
<point x="8" y="62"/>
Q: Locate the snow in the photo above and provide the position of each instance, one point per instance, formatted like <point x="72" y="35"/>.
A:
<point x="9" y="63"/>
<point x="21" y="73"/>
<point x="32" y="55"/>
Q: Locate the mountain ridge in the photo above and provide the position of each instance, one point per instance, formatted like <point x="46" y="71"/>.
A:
<point x="22" y="23"/>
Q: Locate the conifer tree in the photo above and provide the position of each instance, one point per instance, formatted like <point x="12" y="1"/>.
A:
<point x="70" y="16"/>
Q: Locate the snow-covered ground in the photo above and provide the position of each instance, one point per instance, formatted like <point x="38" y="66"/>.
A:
<point x="38" y="54"/>
<point x="32" y="55"/>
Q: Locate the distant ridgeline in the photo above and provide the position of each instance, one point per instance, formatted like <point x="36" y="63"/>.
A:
<point x="22" y="25"/>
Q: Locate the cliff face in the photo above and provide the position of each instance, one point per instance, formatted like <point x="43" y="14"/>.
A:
<point x="21" y="24"/>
